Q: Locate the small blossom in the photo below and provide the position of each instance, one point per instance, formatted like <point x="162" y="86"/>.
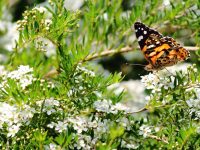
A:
<point x="61" y="126"/>
<point x="51" y="125"/>
<point x="86" y="71"/>
<point x="150" y="81"/>
<point x="144" y="130"/>
<point x="79" y="123"/>
<point x="50" y="105"/>
<point x="13" y="130"/>
<point x="157" y="129"/>
<point x="121" y="107"/>
<point x="102" y="106"/>
<point x="125" y="144"/>
<point x="40" y="9"/>
<point x="22" y="76"/>
<point x="52" y="146"/>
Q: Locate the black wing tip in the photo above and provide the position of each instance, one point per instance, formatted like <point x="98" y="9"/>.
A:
<point x="138" y="24"/>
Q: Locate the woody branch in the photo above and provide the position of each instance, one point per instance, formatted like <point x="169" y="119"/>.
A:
<point x="108" y="52"/>
<point x="123" y="50"/>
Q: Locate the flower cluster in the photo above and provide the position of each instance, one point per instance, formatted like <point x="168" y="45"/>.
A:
<point x="168" y="81"/>
<point x="13" y="116"/>
<point x="82" y="125"/>
<point x="31" y="14"/>
<point x="81" y="83"/>
<point x="145" y="130"/>
<point x="49" y="105"/>
<point x="85" y="71"/>
<point x="107" y="107"/>
<point x="194" y="104"/>
<point x="23" y="77"/>
<point x="155" y="82"/>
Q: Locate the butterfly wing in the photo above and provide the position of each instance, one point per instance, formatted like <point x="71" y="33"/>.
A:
<point x="145" y="37"/>
<point x="143" y="32"/>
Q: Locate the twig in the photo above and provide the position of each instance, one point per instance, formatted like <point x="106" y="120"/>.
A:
<point x="108" y="52"/>
<point x="123" y="50"/>
<point x="158" y="139"/>
<point x="111" y="52"/>
<point x="140" y="110"/>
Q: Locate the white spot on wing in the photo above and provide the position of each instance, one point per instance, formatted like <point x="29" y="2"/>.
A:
<point x="157" y="42"/>
<point x="136" y="30"/>
<point x="140" y="38"/>
<point x="145" y="32"/>
<point x="151" y="46"/>
<point x="142" y="29"/>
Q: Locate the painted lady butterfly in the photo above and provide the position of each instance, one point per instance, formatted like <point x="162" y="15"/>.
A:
<point x="158" y="50"/>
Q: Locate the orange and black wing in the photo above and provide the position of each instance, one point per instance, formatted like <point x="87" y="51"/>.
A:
<point x="147" y="38"/>
<point x="159" y="51"/>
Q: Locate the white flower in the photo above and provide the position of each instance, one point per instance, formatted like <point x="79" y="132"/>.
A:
<point x="25" y="81"/>
<point x="26" y="113"/>
<point x="61" y="126"/>
<point x="150" y="81"/>
<point x="51" y="102"/>
<point x="121" y="107"/>
<point x="50" y="105"/>
<point x="40" y="9"/>
<point x="51" y="146"/>
<point x="144" y="130"/>
<point x="22" y="76"/>
<point x="129" y="145"/>
<point x="79" y="123"/>
<point x="107" y="107"/>
<point x="103" y="126"/>
<point x="86" y="71"/>
<point x="48" y="47"/>
<point x="51" y="125"/>
<point x="14" y="116"/>
<point x="194" y="104"/>
<point x="69" y="93"/>
<point x="102" y="106"/>
<point x="8" y="114"/>
<point x="48" y="22"/>
<point x="24" y="69"/>
<point x="82" y="143"/>
<point x="13" y="130"/>
<point x="98" y="94"/>
<point x="123" y="121"/>
<point x="157" y="129"/>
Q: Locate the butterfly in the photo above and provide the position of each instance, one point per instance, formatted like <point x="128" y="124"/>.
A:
<point x="160" y="51"/>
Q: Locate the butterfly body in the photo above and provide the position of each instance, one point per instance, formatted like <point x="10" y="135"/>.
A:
<point x="159" y="51"/>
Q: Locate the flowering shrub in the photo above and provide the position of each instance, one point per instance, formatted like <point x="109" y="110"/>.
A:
<point x="51" y="97"/>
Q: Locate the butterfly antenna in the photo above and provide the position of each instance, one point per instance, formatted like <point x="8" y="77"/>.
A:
<point x="169" y="72"/>
<point x="134" y="64"/>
